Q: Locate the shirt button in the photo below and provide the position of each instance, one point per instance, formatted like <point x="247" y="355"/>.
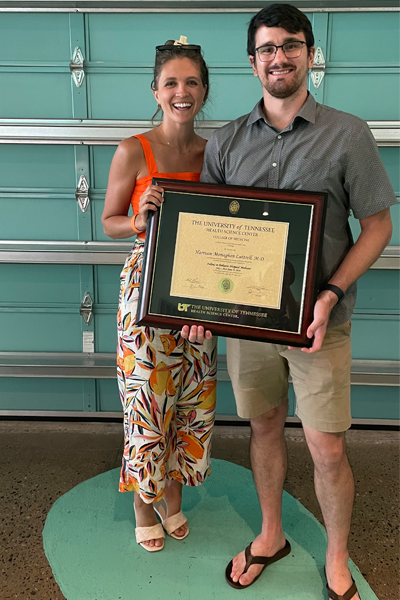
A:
<point x="274" y="164"/>
<point x="279" y="137"/>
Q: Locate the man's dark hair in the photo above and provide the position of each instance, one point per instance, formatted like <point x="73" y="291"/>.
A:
<point x="279" y="15"/>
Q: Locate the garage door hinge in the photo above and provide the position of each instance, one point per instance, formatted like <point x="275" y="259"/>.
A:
<point x="318" y="68"/>
<point x="82" y="193"/>
<point x="76" y="67"/>
<point x="86" y="309"/>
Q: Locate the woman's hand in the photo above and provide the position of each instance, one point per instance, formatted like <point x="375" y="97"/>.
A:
<point x="195" y="333"/>
<point x="151" y="199"/>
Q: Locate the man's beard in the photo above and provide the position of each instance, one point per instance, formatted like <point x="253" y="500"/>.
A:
<point x="283" y="89"/>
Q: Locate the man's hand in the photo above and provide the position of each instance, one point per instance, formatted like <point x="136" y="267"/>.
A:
<point x="376" y="231"/>
<point x="326" y="300"/>
<point x="195" y="333"/>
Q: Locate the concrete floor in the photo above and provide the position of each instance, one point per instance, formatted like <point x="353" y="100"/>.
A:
<point x="40" y="461"/>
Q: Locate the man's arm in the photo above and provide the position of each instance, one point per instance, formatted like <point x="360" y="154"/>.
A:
<point x="370" y="195"/>
<point x="376" y="231"/>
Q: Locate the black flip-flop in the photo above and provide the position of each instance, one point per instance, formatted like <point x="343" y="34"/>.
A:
<point x="351" y="592"/>
<point x="255" y="560"/>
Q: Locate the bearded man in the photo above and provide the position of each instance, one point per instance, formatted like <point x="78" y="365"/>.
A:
<point x="290" y="141"/>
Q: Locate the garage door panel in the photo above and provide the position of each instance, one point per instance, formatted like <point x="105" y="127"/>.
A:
<point x="379" y="289"/>
<point x="395" y="213"/>
<point x="391" y="159"/>
<point x="120" y="96"/>
<point x="36" y="95"/>
<point x="45" y="330"/>
<point x="34" y="37"/>
<point x="351" y="92"/>
<point x="375" y="402"/>
<point x="106" y="331"/>
<point x="108" y="395"/>
<point x="107" y="284"/>
<point x="60" y="221"/>
<point x="37" y="166"/>
<point x="101" y="157"/>
<point x="375" y="337"/>
<point x="354" y="38"/>
<point x="125" y="38"/>
<point x="30" y="283"/>
<point x="41" y="394"/>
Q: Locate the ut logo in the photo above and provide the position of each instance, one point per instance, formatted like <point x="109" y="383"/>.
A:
<point x="183" y="307"/>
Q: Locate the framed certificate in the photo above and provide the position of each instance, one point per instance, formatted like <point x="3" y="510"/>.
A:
<point x="241" y="261"/>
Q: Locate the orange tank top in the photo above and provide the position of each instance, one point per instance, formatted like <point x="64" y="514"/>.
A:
<point x="142" y="183"/>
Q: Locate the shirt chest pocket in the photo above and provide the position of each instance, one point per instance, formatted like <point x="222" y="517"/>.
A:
<point x="306" y="174"/>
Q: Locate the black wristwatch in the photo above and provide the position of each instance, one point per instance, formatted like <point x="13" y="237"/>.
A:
<point x="335" y="289"/>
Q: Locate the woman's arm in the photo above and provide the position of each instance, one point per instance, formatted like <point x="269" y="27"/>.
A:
<point x="127" y="165"/>
<point x="124" y="170"/>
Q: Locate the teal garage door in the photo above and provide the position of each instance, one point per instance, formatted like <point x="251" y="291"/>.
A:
<point x="77" y="83"/>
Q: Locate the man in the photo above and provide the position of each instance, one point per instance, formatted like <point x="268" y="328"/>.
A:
<point x="289" y="141"/>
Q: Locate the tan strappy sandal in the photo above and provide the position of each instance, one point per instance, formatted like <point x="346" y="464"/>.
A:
<point x="172" y="523"/>
<point x="145" y="534"/>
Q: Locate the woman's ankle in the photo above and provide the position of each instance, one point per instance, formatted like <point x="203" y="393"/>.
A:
<point x="173" y="497"/>
<point x="141" y="506"/>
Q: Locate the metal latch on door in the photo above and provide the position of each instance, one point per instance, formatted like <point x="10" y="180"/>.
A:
<point x="76" y="67"/>
<point x="86" y="309"/>
<point x="318" y="68"/>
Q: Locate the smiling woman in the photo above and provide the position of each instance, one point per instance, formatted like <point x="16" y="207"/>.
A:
<point x="167" y="383"/>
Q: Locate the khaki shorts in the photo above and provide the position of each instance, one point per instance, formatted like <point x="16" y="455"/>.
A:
<point x="259" y="374"/>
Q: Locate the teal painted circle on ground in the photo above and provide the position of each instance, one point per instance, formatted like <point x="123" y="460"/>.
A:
<point x="89" y="540"/>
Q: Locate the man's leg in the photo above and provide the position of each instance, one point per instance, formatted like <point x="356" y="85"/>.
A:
<point x="322" y="386"/>
<point x="269" y="463"/>
<point x="334" y="486"/>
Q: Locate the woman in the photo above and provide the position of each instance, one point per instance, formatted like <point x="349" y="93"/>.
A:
<point x="167" y="384"/>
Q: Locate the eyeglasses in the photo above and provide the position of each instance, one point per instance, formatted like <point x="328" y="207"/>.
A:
<point x="291" y="50"/>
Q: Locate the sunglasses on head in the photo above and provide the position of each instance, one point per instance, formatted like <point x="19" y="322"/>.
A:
<point x="181" y="44"/>
<point x="178" y="46"/>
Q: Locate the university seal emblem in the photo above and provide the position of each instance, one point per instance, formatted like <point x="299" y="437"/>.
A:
<point x="234" y="207"/>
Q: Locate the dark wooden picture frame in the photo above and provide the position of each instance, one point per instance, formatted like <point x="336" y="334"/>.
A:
<point x="191" y="197"/>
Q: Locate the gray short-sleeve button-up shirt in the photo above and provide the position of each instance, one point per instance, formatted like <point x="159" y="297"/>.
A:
<point x="322" y="150"/>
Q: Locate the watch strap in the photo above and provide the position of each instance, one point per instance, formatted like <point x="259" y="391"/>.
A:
<point x="335" y="289"/>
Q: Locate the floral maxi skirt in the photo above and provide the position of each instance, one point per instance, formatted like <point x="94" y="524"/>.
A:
<point x="167" y="387"/>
